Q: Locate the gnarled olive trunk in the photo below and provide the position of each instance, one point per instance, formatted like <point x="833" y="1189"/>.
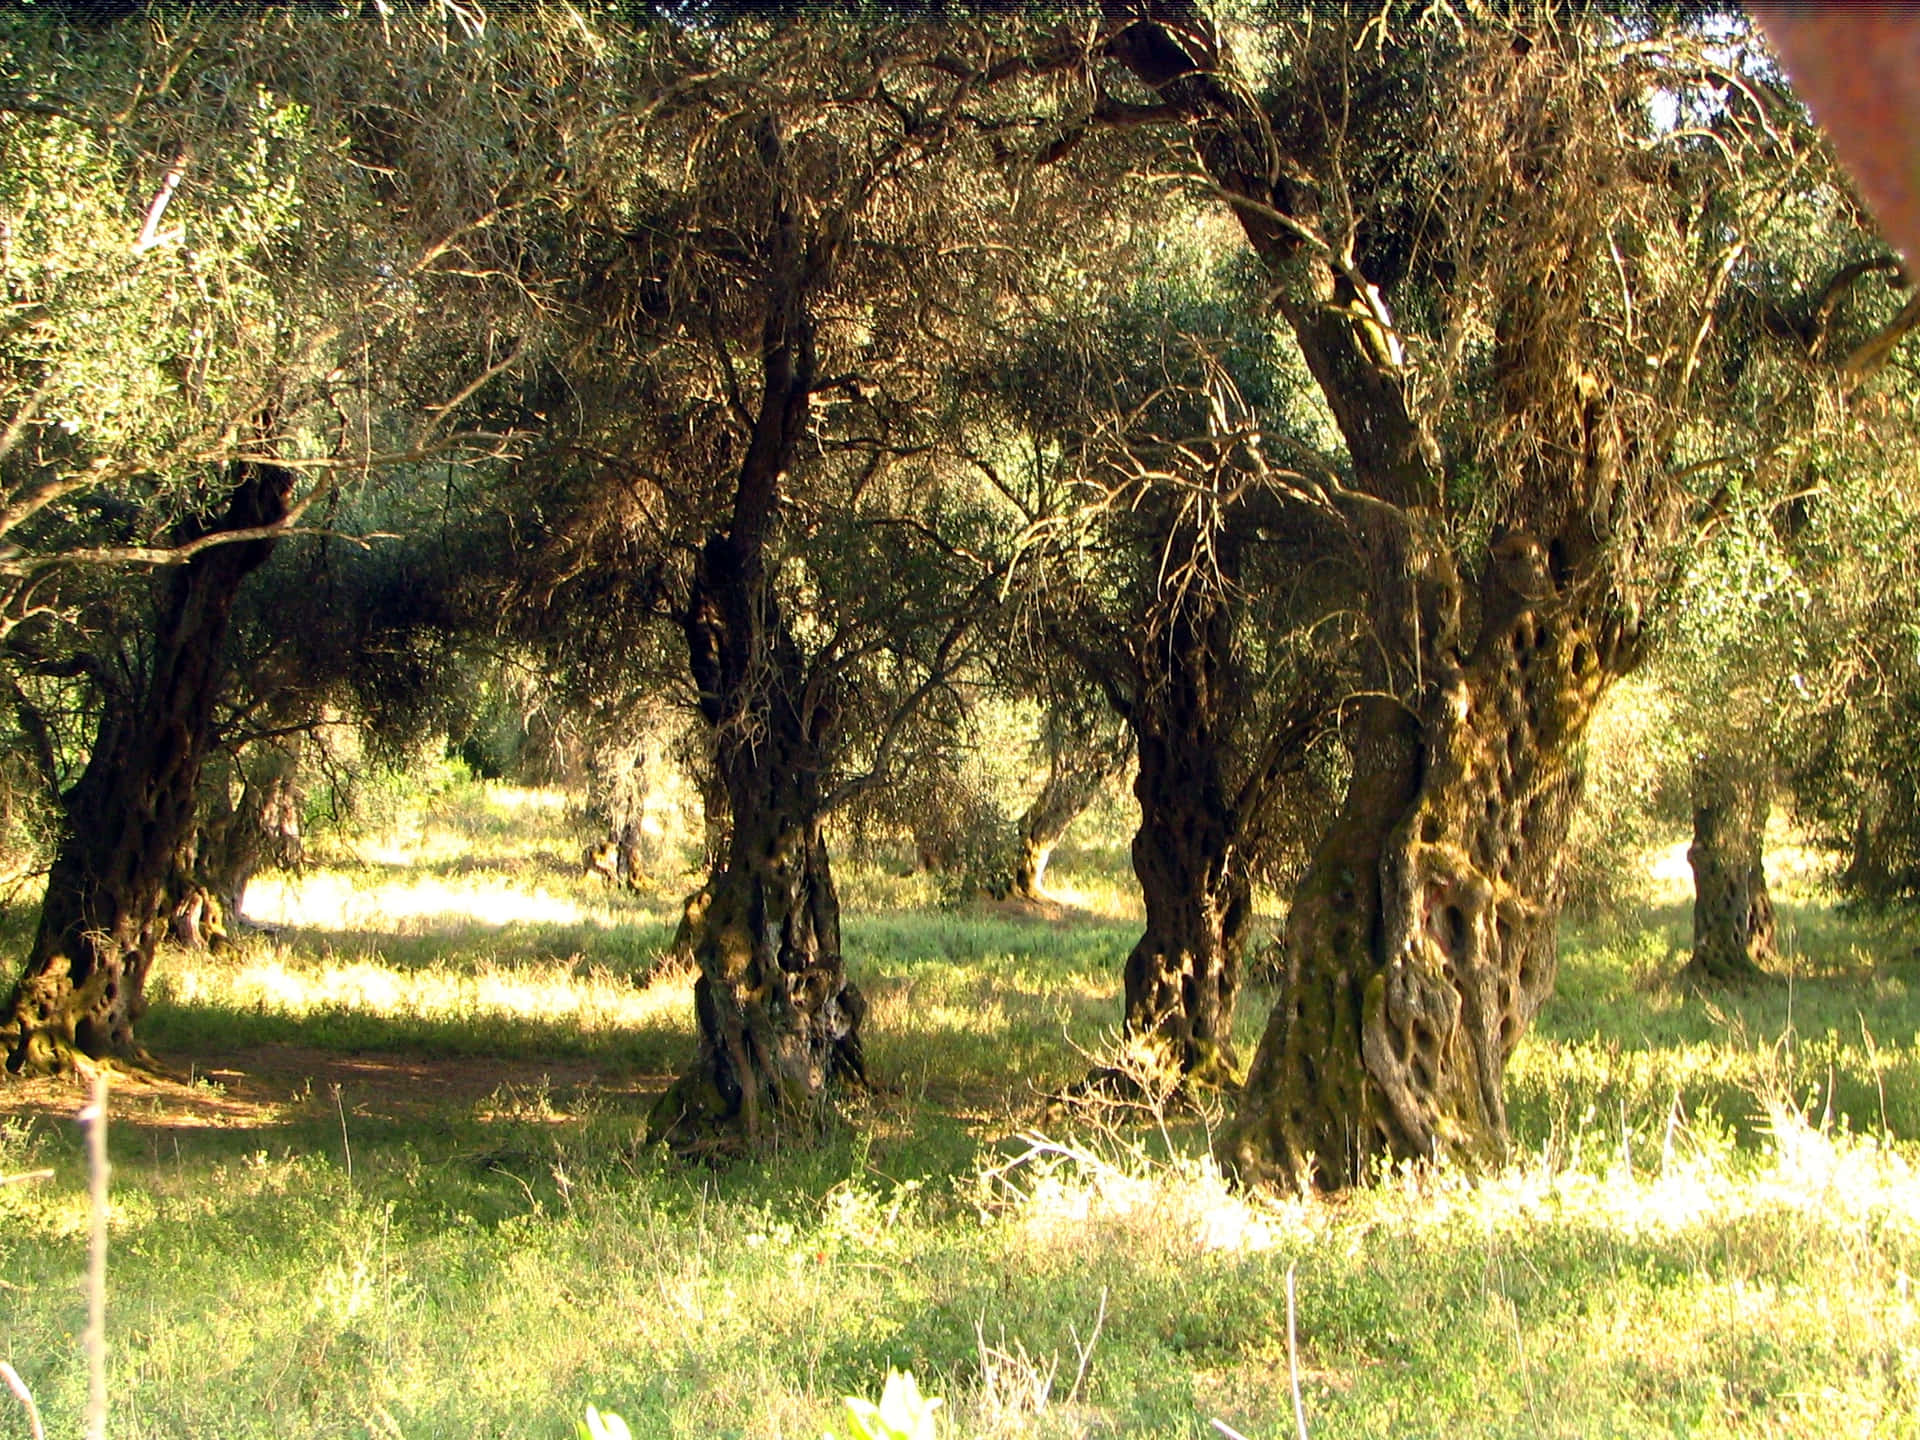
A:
<point x="125" y="819"/>
<point x="1184" y="972"/>
<point x="1421" y="940"/>
<point x="1733" y="920"/>
<point x="777" y="1017"/>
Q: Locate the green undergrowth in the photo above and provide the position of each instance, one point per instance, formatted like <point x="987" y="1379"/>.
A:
<point x="1711" y="1226"/>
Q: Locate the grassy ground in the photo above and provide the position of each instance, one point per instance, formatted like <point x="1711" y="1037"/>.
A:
<point x="393" y="1188"/>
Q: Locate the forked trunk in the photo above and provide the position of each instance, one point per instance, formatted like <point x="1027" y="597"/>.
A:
<point x="1733" y="920"/>
<point x="83" y="987"/>
<point x="1077" y="766"/>
<point x="1183" y="974"/>
<point x="1421" y="940"/>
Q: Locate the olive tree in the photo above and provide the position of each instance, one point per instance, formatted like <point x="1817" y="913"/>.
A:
<point x="771" y="288"/>
<point x="213" y="294"/>
<point x="1168" y="563"/>
<point x="1499" y="243"/>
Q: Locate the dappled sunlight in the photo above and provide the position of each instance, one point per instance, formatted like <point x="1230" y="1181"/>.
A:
<point x="339" y="901"/>
<point x="1670" y="875"/>
<point x="1795" y="870"/>
<point x="1069" y="1191"/>
<point x="1110" y="900"/>
<point x="1004" y="1016"/>
<point x="520" y="799"/>
<point x="1065" y="1192"/>
<point x="553" y="992"/>
<point x="1805" y="1175"/>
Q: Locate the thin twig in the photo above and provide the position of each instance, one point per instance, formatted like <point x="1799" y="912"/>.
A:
<point x="19" y="1388"/>
<point x="346" y="1146"/>
<point x="150" y="235"/>
<point x="1293" y="1360"/>
<point x="1086" y="1350"/>
<point x="94" y="1117"/>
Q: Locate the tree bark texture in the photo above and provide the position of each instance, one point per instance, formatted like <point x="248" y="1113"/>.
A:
<point x="1733" y="919"/>
<point x="778" y="1019"/>
<point x="1421" y="938"/>
<point x="1184" y="972"/>
<point x="125" y="819"/>
<point x="1421" y="941"/>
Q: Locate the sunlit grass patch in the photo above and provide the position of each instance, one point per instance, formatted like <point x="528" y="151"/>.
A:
<point x="338" y="900"/>
<point x="278" y="982"/>
<point x="1838" y="1036"/>
<point x="1725" y="1292"/>
<point x="561" y="1004"/>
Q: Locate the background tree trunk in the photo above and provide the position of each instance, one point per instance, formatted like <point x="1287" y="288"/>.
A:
<point x="1733" y="920"/>
<point x="235" y="836"/>
<point x="1079" y="763"/>
<point x="1184" y="973"/>
<point x="127" y="816"/>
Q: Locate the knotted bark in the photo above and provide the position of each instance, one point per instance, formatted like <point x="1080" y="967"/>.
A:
<point x="1183" y="974"/>
<point x="778" y="1018"/>
<point x="1421" y="940"/>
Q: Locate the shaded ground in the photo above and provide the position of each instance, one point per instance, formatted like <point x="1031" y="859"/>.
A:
<point x="271" y="1085"/>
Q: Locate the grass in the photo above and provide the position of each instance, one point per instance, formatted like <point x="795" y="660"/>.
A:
<point x="1712" y="1226"/>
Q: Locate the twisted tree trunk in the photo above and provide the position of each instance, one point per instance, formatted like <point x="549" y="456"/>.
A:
<point x="1733" y="919"/>
<point x="777" y="1016"/>
<point x="1421" y="941"/>
<point x="83" y="987"/>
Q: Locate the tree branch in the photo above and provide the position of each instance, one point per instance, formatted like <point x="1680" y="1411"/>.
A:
<point x="1868" y="357"/>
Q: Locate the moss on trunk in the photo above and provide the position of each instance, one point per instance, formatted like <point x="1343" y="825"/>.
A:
<point x="1421" y="941"/>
